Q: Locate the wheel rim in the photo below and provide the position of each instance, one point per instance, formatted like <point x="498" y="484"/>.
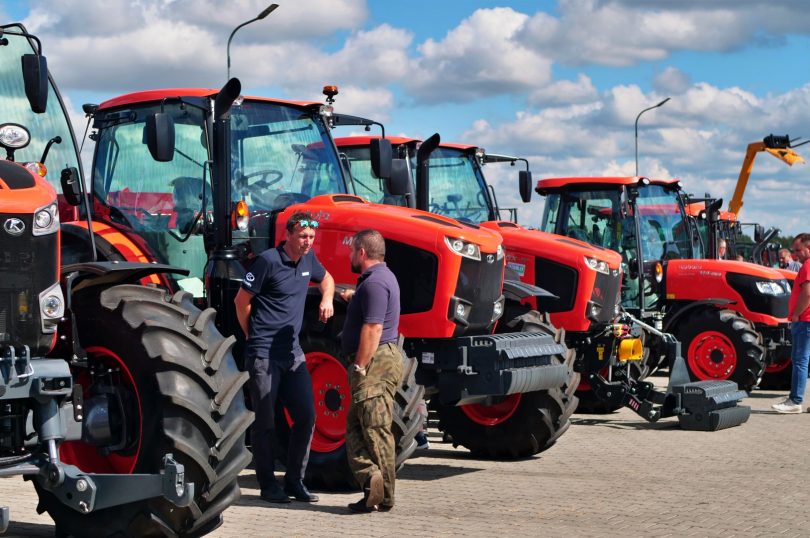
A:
<point x="330" y="388"/>
<point x="494" y="414"/>
<point x="779" y="365"/>
<point x="711" y="355"/>
<point x="86" y="456"/>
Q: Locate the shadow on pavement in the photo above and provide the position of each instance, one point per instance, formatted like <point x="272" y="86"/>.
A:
<point x="29" y="530"/>
<point x="432" y="471"/>
<point x="666" y="424"/>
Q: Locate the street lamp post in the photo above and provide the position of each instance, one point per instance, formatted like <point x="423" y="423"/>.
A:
<point x="267" y="11"/>
<point x="637" y="117"/>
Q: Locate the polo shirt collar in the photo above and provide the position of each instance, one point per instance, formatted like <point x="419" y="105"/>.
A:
<point x="367" y="273"/>
<point x="285" y="258"/>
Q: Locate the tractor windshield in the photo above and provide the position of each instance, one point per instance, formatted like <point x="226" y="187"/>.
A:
<point x="663" y="224"/>
<point x="457" y="187"/>
<point x="362" y="179"/>
<point x="592" y="216"/>
<point x="14" y="108"/>
<point x="281" y="155"/>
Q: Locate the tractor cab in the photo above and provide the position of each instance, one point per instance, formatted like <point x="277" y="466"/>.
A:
<point x="644" y="221"/>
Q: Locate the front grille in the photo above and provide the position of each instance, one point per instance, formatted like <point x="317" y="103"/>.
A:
<point x="606" y="294"/>
<point x="559" y="279"/>
<point x="417" y="271"/>
<point x="27" y="268"/>
<point x="481" y="283"/>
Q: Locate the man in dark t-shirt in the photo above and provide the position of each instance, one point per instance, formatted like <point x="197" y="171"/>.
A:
<point x="270" y="308"/>
<point x="370" y="336"/>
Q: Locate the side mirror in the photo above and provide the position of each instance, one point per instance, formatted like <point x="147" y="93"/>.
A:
<point x="160" y="136"/>
<point x="70" y="186"/>
<point x="399" y="182"/>
<point x="759" y="233"/>
<point x="381" y="157"/>
<point x="35" y="76"/>
<point x="525" y="185"/>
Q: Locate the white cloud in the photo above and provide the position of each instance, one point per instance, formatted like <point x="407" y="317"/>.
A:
<point x="565" y="92"/>
<point x="479" y="57"/>
<point x="671" y="81"/>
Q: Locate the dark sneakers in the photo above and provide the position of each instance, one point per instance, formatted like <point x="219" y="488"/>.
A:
<point x="274" y="494"/>
<point x="373" y="493"/>
<point x="299" y="491"/>
<point x="360" y="507"/>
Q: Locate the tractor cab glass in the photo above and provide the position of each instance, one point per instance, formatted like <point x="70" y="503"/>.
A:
<point x="593" y="216"/>
<point x="362" y="180"/>
<point x="14" y="108"/>
<point x="280" y="155"/>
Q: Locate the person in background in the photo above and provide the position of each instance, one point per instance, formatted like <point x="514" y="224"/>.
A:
<point x="799" y="312"/>
<point x="786" y="260"/>
<point x="721" y="249"/>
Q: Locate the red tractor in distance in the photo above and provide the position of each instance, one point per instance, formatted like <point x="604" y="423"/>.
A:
<point x="204" y="178"/>
<point x="725" y="313"/>
<point x="117" y="398"/>
<point x="584" y="281"/>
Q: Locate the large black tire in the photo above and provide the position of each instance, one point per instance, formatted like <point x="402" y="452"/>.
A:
<point x="778" y="374"/>
<point x="189" y="400"/>
<point x="328" y="466"/>
<point x="721" y="344"/>
<point x="516" y="426"/>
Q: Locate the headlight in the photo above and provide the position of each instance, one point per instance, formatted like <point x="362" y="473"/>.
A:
<point x="497" y="309"/>
<point x="769" y="287"/>
<point x="597" y="265"/>
<point x="463" y="248"/>
<point x="51" y="308"/>
<point x="14" y="136"/>
<point x="459" y="311"/>
<point x="500" y="252"/>
<point x="659" y="272"/>
<point x="786" y="284"/>
<point x="46" y="220"/>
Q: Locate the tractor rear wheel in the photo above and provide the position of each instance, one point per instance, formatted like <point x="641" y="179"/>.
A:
<point x="328" y="466"/>
<point x="518" y="425"/>
<point x="721" y="344"/>
<point x="181" y="393"/>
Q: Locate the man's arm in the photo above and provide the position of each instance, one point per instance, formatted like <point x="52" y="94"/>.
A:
<point x="802" y="302"/>
<point x="242" y="303"/>
<point x="370" y="334"/>
<point x="327" y="287"/>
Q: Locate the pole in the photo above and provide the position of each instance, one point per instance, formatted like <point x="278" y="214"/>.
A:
<point x="637" y="117"/>
<point x="268" y="10"/>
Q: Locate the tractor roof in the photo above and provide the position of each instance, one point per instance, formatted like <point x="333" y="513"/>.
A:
<point x="345" y="141"/>
<point x="555" y="183"/>
<point x="158" y="95"/>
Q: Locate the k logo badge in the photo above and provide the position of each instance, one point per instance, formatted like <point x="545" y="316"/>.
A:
<point x="249" y="277"/>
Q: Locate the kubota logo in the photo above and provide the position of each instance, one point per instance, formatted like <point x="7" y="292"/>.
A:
<point x="14" y="226"/>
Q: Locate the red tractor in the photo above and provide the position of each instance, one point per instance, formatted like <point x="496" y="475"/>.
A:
<point x="117" y="398"/>
<point x="583" y="281"/>
<point x="727" y="314"/>
<point x="204" y="178"/>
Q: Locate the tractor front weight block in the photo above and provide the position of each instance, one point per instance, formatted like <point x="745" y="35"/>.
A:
<point x="469" y="369"/>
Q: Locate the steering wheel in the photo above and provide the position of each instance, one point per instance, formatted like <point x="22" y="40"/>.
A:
<point x="142" y="219"/>
<point x="267" y="177"/>
<point x="482" y="199"/>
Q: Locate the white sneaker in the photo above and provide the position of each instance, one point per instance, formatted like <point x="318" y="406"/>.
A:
<point x="787" y="407"/>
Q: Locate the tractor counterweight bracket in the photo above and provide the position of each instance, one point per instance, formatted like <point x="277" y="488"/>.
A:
<point x="88" y="492"/>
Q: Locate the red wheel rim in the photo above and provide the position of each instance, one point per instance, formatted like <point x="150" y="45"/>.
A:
<point x="711" y="355"/>
<point x="492" y="415"/>
<point x="330" y="388"/>
<point x="779" y="365"/>
<point x="86" y="456"/>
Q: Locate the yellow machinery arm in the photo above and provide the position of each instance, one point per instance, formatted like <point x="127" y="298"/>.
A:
<point x="778" y="146"/>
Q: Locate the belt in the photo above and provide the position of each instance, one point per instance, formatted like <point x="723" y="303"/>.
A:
<point x="352" y="356"/>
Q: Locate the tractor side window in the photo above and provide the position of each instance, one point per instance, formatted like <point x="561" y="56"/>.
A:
<point x="550" y="213"/>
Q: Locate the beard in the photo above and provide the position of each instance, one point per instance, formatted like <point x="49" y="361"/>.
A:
<point x="355" y="267"/>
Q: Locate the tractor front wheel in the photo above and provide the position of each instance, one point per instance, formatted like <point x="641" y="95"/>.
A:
<point x="517" y="425"/>
<point x="180" y="392"/>
<point x="721" y="344"/>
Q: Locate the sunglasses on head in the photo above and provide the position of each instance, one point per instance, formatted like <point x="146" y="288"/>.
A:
<point x="308" y="224"/>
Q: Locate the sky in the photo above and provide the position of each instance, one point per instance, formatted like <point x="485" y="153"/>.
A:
<point x="559" y="83"/>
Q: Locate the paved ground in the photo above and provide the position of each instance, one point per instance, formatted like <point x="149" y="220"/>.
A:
<point x="609" y="475"/>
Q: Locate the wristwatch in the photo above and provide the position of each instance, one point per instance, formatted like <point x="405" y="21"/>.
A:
<point x="357" y="368"/>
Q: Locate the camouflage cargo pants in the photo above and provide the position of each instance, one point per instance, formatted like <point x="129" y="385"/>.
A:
<point x="370" y="440"/>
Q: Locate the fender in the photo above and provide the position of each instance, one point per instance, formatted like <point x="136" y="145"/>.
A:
<point x="515" y="290"/>
<point x="78" y="276"/>
<point x="671" y="320"/>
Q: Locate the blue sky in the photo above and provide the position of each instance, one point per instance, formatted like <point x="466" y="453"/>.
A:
<point x="559" y="83"/>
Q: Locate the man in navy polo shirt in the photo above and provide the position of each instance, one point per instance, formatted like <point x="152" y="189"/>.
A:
<point x="270" y="308"/>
